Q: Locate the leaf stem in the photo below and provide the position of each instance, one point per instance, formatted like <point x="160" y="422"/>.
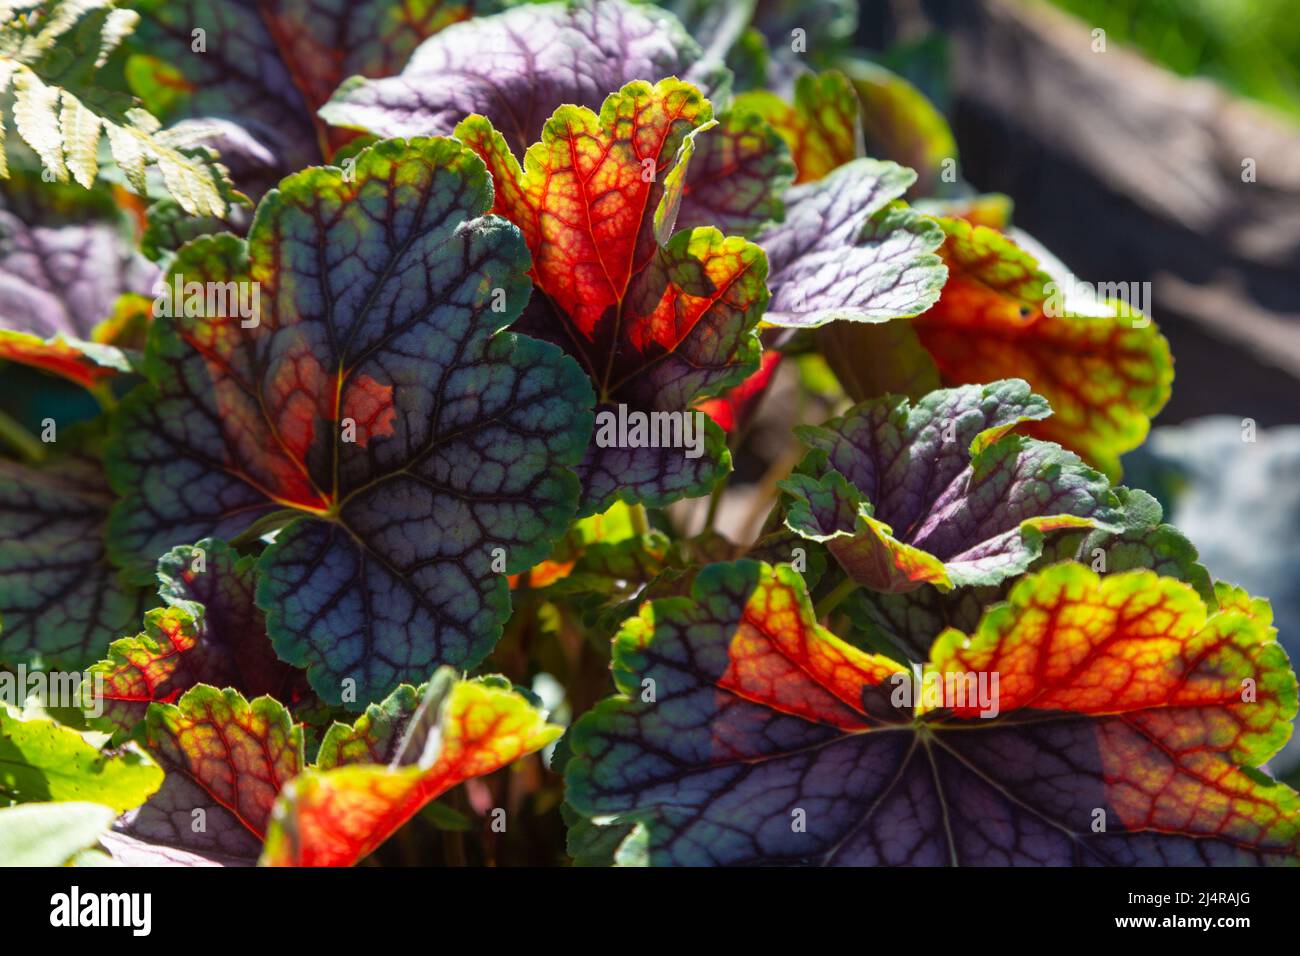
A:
<point x="640" y="522"/>
<point x="715" y="499"/>
<point x="103" y="395"/>
<point x="834" y="597"/>
<point x="20" y="439"/>
<point x="264" y="525"/>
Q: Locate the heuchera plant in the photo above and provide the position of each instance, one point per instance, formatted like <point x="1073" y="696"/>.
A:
<point x="345" y="491"/>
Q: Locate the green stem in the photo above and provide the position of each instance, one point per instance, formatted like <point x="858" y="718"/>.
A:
<point x="715" y="499"/>
<point x="834" y="597"/>
<point x="264" y="525"/>
<point x="103" y="394"/>
<point x="22" y="441"/>
<point x="640" y="522"/>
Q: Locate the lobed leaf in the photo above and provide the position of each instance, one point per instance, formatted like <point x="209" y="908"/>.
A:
<point x="211" y="632"/>
<point x="738" y="176"/>
<point x="339" y="813"/>
<point x="240" y="752"/>
<point x="268" y="65"/>
<point x="659" y="320"/>
<point x="1106" y="370"/>
<point x="236" y="768"/>
<point x="517" y="68"/>
<point x="226" y="758"/>
<point x="848" y="250"/>
<point x="375" y="414"/>
<point x="1117" y="734"/>
<point x="908" y="621"/>
<point x="938" y="492"/>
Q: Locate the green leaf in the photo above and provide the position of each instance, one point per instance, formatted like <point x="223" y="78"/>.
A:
<point x="50" y="834"/>
<point x="168" y="226"/>
<point x="41" y="760"/>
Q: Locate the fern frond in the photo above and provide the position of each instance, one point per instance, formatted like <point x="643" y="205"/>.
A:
<point x="50" y="54"/>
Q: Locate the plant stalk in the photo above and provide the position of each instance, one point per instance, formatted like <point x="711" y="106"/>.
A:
<point x="21" y="440"/>
<point x="640" y="522"/>
<point x="264" y="525"/>
<point x="834" y="598"/>
<point x="715" y="499"/>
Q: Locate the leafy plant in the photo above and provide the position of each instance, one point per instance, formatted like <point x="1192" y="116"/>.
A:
<point x="327" y="512"/>
<point x="885" y="465"/>
<point x="1119" y="735"/>
<point x="50" y="53"/>
<point x="385" y="378"/>
<point x="259" y="69"/>
<point x="66" y="253"/>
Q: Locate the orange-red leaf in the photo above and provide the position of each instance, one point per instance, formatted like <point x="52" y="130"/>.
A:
<point x="1104" y="367"/>
<point x="337" y="816"/>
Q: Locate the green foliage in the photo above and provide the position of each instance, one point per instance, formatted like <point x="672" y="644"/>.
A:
<point x="1251" y="46"/>
<point x="50" y="55"/>
<point x="51" y="834"/>
<point x="41" y="760"/>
